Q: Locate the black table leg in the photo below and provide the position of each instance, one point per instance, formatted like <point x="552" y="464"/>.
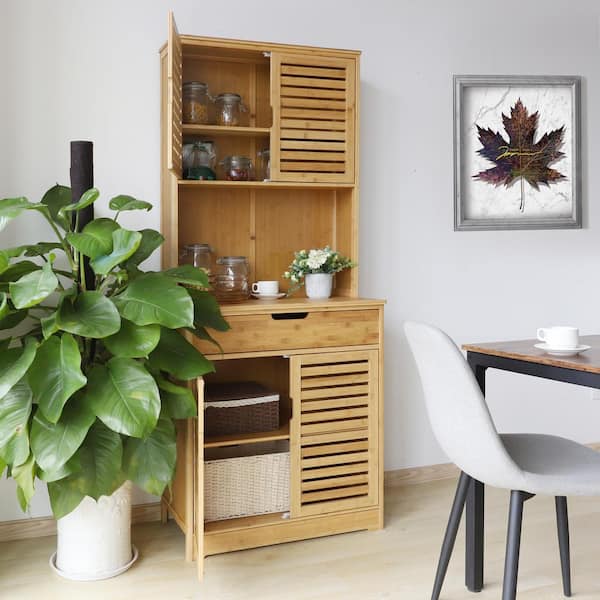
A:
<point x="474" y="532"/>
<point x="475" y="516"/>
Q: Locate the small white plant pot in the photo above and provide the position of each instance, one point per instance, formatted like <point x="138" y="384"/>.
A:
<point x="94" y="540"/>
<point x="318" y="285"/>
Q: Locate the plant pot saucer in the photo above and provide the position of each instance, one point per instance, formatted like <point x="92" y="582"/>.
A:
<point x="94" y="576"/>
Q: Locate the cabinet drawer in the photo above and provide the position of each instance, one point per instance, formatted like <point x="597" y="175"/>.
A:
<point x="288" y="331"/>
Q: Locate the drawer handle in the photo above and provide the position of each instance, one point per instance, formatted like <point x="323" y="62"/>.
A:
<point x="289" y="316"/>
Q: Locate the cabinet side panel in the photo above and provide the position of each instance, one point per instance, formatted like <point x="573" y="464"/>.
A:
<point x="374" y="471"/>
<point x="346" y="240"/>
<point x="380" y="418"/>
<point x="295" y="448"/>
<point x="198" y="487"/>
<point x="182" y="487"/>
<point x="168" y="181"/>
<point x="174" y="99"/>
<point x="264" y="117"/>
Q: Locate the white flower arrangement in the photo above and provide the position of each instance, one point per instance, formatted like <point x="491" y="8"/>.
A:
<point x="316" y="260"/>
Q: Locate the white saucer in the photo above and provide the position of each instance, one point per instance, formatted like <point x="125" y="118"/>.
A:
<point x="562" y="351"/>
<point x="268" y="296"/>
<point x="94" y="576"/>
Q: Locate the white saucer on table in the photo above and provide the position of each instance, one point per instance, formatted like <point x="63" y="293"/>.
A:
<point x="562" y="351"/>
<point x="268" y="296"/>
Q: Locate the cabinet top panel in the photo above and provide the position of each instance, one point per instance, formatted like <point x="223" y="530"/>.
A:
<point x="236" y="48"/>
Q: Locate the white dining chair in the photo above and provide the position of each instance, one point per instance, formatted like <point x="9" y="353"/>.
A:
<point x="526" y="464"/>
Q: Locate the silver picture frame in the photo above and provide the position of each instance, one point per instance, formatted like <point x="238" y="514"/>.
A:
<point x="480" y="201"/>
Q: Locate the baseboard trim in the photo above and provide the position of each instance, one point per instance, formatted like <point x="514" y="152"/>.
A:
<point x="43" y="526"/>
<point x="415" y="475"/>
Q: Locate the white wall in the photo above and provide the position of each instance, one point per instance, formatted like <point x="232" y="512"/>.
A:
<point x="82" y="70"/>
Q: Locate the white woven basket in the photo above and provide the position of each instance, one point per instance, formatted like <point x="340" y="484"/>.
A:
<point x="246" y="485"/>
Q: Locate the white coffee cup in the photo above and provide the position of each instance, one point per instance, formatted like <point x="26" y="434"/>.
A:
<point x="266" y="288"/>
<point x="559" y="337"/>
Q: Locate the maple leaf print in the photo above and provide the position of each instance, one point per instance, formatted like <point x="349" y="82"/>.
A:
<point x="520" y="157"/>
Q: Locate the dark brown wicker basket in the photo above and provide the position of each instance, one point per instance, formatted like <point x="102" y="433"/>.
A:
<point x="240" y="407"/>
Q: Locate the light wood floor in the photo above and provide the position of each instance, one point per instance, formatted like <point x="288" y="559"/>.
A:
<point x="395" y="563"/>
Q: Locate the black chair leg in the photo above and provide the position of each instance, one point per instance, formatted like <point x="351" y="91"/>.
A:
<point x="562" y="523"/>
<point x="513" y="544"/>
<point x="450" y="536"/>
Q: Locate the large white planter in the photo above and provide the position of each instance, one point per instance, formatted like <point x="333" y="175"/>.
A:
<point x="94" y="540"/>
<point x="318" y="285"/>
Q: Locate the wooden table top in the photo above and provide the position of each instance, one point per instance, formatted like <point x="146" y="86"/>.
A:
<point x="525" y="350"/>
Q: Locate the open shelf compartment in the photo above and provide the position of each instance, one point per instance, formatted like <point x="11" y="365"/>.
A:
<point x="268" y="225"/>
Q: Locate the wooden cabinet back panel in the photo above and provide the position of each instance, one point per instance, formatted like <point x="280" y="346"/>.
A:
<point x="261" y="333"/>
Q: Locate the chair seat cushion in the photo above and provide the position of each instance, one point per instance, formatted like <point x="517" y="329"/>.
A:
<point x="553" y="465"/>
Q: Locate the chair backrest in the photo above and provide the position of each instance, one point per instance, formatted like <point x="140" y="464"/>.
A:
<point x="459" y="415"/>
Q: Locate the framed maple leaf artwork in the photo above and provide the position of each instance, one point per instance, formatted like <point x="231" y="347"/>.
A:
<point x="517" y="152"/>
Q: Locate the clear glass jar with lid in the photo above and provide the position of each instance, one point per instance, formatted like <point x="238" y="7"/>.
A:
<point x="229" y="109"/>
<point x="237" y="168"/>
<point x="187" y="154"/>
<point x="196" y="103"/>
<point x="199" y="255"/>
<point x="231" y="279"/>
<point x="264" y="164"/>
<point x="200" y="162"/>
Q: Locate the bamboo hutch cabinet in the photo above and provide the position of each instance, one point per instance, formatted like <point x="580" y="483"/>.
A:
<point x="323" y="357"/>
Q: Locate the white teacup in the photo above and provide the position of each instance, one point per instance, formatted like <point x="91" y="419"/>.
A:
<point x="559" y="337"/>
<point x="266" y="288"/>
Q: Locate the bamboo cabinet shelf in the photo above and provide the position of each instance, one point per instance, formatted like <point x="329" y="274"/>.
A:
<point x="324" y="358"/>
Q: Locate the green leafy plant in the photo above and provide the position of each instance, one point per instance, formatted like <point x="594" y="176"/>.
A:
<point x="92" y="379"/>
<point x="316" y="260"/>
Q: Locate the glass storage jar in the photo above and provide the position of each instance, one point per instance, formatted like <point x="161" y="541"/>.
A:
<point x="199" y="255"/>
<point x="229" y="109"/>
<point x="196" y="102"/>
<point x="200" y="161"/>
<point x="231" y="279"/>
<point x="264" y="164"/>
<point x="187" y="154"/>
<point x="237" y="168"/>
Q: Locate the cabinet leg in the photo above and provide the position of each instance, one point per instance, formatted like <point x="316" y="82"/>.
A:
<point x="164" y="511"/>
<point x="200" y="567"/>
<point x="189" y="546"/>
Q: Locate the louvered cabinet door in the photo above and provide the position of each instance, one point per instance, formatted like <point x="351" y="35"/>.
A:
<point x="314" y="114"/>
<point x="334" y="432"/>
<point x="174" y="98"/>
